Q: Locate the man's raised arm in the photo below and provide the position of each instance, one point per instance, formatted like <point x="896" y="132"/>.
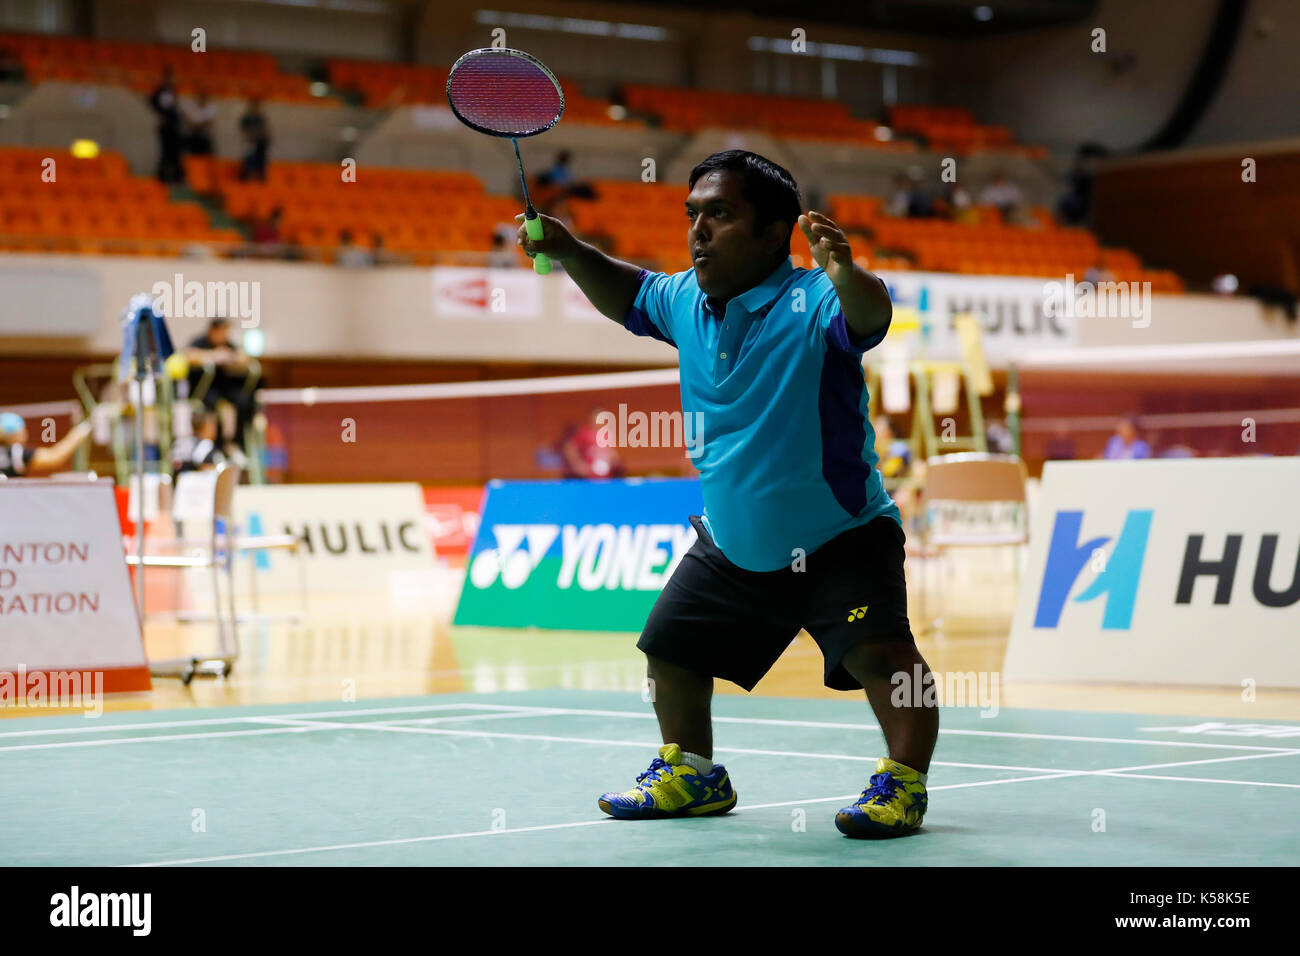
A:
<point x="609" y="284"/>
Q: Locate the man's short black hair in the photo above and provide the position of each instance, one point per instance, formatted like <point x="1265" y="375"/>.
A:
<point x="218" y="321"/>
<point x="769" y="188"/>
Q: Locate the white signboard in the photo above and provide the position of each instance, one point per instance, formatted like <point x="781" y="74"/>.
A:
<point x="1173" y="572"/>
<point x="1013" y="313"/>
<point x="354" y="537"/>
<point x="65" y="593"/>
<point x="486" y="293"/>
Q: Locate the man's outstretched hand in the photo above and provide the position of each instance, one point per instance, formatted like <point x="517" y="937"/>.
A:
<point x="863" y="297"/>
<point x="830" y="247"/>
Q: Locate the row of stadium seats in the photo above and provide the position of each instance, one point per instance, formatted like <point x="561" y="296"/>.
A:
<point x="230" y="74"/>
<point x="221" y="73"/>
<point x="387" y="85"/>
<point x="97" y="205"/>
<point x="93" y="206"/>
<point x="954" y="129"/>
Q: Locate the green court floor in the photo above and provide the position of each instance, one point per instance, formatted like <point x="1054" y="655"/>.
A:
<point x="513" y="778"/>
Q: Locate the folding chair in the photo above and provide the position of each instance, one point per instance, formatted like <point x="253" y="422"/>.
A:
<point x="217" y="552"/>
<point x="967" y="478"/>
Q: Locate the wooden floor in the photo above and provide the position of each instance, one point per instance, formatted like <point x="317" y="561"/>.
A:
<point x="358" y="647"/>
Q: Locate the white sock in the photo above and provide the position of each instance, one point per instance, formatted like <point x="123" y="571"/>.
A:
<point x="703" y="764"/>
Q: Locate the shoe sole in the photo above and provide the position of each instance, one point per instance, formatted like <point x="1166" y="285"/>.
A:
<point x="859" y="829"/>
<point x="709" y="810"/>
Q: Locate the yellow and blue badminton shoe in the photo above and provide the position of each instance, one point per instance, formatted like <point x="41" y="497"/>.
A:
<point x="893" y="804"/>
<point x="669" y="788"/>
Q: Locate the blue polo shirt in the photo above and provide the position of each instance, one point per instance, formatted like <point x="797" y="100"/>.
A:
<point x="774" y="386"/>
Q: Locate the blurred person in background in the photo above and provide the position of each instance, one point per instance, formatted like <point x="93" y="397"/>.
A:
<point x="350" y="255"/>
<point x="257" y="142"/>
<point x="215" y="347"/>
<point x="895" y="453"/>
<point x="503" y="255"/>
<point x="583" y="454"/>
<point x="164" y="102"/>
<point x="18" y="459"/>
<point x="266" y="232"/>
<point x="909" y="198"/>
<point x="198" y="451"/>
<point x="956" y="204"/>
<point x="379" y="253"/>
<point x="1125" y="443"/>
<point x="1004" y="195"/>
<point x="1097" y="272"/>
<point x="1060" y="446"/>
<point x="199" y="117"/>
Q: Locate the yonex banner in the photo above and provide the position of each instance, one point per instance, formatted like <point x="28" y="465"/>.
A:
<point x="576" y="555"/>
<point x="1179" y="571"/>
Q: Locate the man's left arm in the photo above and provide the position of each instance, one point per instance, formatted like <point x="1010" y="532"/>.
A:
<point x="864" y="299"/>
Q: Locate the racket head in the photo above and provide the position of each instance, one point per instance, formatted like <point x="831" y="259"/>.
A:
<point x="504" y="92"/>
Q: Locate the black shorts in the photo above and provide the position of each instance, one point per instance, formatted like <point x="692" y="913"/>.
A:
<point x="716" y="618"/>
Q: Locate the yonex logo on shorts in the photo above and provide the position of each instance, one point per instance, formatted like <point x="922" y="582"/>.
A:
<point x="858" y="613"/>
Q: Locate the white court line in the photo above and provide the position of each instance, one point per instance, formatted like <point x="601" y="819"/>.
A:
<point x="1152" y="776"/>
<point x="297" y="729"/>
<point x="772" y="722"/>
<point x="300" y="725"/>
<point x="561" y="711"/>
<point x="261" y="854"/>
<point x="547" y="826"/>
<point x="209" y="721"/>
<point x="641" y="744"/>
<point x="1188" y="763"/>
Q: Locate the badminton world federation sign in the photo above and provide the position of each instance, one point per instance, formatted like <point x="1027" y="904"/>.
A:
<point x="576" y="555"/>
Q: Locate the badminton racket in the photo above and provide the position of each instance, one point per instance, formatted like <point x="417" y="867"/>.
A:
<point x="504" y="92"/>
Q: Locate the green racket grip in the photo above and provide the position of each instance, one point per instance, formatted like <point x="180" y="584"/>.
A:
<point x="541" y="261"/>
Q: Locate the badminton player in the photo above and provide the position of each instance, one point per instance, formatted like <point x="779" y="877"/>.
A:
<point x="797" y="529"/>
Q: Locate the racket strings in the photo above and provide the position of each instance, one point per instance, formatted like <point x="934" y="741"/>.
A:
<point x="506" y="95"/>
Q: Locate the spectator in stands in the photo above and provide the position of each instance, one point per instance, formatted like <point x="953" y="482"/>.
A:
<point x="503" y="254"/>
<point x="1003" y="194"/>
<point x="1075" y="206"/>
<point x="379" y="252"/>
<point x="350" y="255"/>
<point x="165" y="103"/>
<point x="558" y="184"/>
<point x="18" y="459"/>
<point x="1097" y="272"/>
<point x="257" y="142"/>
<point x="558" y="174"/>
<point x="230" y="380"/>
<point x="1125" y="443"/>
<point x="585" y="456"/>
<point x="199" y="117"/>
<point x="955" y="204"/>
<point x="266" y="232"/>
<point x="11" y="67"/>
<point x="1060" y="446"/>
<point x="199" y="451"/>
<point x="910" y="198"/>
<point x="895" y="453"/>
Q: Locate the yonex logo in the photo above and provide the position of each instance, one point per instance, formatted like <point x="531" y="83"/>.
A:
<point x="1117" y="579"/>
<point x="858" y="613"/>
<point x="591" y="557"/>
<point x="513" y="563"/>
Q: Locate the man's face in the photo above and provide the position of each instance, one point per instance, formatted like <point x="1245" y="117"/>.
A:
<point x="729" y="257"/>
<point x="219" y="336"/>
